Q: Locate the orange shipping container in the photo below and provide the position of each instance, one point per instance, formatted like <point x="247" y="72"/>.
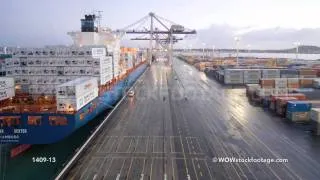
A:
<point x="306" y="83"/>
<point x="298" y="96"/>
<point x="307" y="72"/>
<point x="267" y="83"/>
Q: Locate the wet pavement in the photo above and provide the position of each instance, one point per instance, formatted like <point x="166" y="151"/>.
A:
<point x="179" y="122"/>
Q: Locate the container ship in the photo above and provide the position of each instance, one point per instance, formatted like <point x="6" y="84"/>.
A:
<point x="48" y="93"/>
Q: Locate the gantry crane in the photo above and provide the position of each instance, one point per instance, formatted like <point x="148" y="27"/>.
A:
<point x="164" y="32"/>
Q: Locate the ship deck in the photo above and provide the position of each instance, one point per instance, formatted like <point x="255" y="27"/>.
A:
<point x="161" y="133"/>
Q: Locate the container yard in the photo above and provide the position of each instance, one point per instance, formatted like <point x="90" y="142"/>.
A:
<point x="291" y="93"/>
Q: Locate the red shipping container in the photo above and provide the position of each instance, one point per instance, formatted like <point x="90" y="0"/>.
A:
<point x="281" y="102"/>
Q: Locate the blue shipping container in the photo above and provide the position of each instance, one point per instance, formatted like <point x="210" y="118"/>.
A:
<point x="298" y="106"/>
<point x="289" y="71"/>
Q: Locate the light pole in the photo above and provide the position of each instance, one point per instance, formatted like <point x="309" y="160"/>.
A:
<point x="213" y="47"/>
<point x="248" y="46"/>
<point x="237" y="39"/>
<point x="297" y="44"/>
<point x="190" y="47"/>
<point x="203" y="44"/>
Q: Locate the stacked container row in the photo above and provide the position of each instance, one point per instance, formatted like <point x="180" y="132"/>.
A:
<point x="7" y="88"/>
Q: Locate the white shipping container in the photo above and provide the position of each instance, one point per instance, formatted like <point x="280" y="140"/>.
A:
<point x="98" y="52"/>
<point x="233" y="79"/>
<point x="105" y="78"/>
<point x="77" y="87"/>
<point x="289" y="76"/>
<point x="67" y="104"/>
<point x="25" y="80"/>
<point x="7" y="93"/>
<point x="315" y="114"/>
<point x="250" y="80"/>
<point x="31" y="70"/>
<point x="280" y="91"/>
<point x="27" y="71"/>
<point x="270" y="76"/>
<point x="271" y="73"/>
<point x="293" y="80"/>
<point x="264" y="92"/>
<point x="17" y="71"/>
<point x="281" y="83"/>
<point x="6" y="82"/>
<point x="316" y="83"/>
<point x="17" y="80"/>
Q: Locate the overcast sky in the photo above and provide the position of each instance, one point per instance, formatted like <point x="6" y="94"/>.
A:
<point x="260" y="23"/>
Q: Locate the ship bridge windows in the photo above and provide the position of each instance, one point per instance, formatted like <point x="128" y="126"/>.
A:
<point x="58" y="121"/>
<point x="34" y="120"/>
<point x="9" y="121"/>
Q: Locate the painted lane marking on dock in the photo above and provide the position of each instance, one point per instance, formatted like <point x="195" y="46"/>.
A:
<point x="129" y="145"/>
<point x="173" y="175"/>
<point x="113" y="143"/>
<point x="129" y="168"/>
<point x="214" y="131"/>
<point x="135" y="147"/>
<point x="208" y="169"/>
<point x="84" y="173"/>
<point x="151" y="167"/>
<point x="184" y="155"/>
<point x="107" y="171"/>
<point x="147" y="144"/>
<point x="153" y="142"/>
<point x="120" y="172"/>
<point x="144" y="163"/>
<point x="170" y="141"/>
<point x="195" y="172"/>
<point x="118" y="176"/>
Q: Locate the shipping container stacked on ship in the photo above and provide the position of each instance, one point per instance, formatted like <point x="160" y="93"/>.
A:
<point x="75" y="94"/>
<point x="39" y="72"/>
<point x="7" y="88"/>
<point x="41" y="69"/>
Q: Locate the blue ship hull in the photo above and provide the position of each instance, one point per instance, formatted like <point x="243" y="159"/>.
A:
<point x="47" y="133"/>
